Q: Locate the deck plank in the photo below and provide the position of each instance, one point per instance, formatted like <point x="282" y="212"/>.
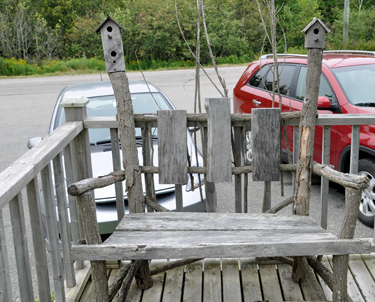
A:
<point x="155" y="292"/>
<point x="231" y="281"/>
<point x="212" y="280"/>
<point x="173" y="285"/>
<point x="353" y="290"/>
<point x="291" y="290"/>
<point x="362" y="277"/>
<point x="250" y="280"/>
<point x="135" y="293"/>
<point x="193" y="282"/>
<point x="369" y="261"/>
<point x="327" y="291"/>
<point x="270" y="283"/>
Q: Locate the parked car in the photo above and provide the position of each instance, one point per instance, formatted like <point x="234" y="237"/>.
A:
<point x="347" y="86"/>
<point x="102" y="103"/>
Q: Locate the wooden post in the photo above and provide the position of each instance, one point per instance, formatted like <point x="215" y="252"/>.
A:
<point x="5" y="282"/>
<point x="314" y="42"/>
<point x="115" y="65"/>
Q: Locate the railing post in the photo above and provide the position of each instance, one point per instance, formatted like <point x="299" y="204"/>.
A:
<point x="324" y="191"/>
<point x="354" y="149"/>
<point x="5" y="282"/>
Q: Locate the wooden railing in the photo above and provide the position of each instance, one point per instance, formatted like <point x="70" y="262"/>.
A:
<point x="44" y="161"/>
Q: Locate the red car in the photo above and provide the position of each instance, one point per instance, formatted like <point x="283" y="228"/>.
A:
<point x="347" y="81"/>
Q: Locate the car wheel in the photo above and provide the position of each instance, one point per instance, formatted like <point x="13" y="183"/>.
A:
<point x="366" y="167"/>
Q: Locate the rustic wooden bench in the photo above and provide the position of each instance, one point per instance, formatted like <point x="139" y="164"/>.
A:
<point x="174" y="235"/>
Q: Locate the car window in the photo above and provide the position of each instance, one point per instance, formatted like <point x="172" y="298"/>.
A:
<point x="358" y="83"/>
<point x="285" y="79"/>
<point x="256" y="80"/>
<point x="324" y="89"/>
<point x="106" y="106"/>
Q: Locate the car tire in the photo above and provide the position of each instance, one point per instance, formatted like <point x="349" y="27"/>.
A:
<point x="366" y="167"/>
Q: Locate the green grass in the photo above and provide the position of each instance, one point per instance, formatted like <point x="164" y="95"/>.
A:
<point x="20" y="67"/>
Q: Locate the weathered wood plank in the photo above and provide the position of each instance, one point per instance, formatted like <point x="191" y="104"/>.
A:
<point x="20" y="248"/>
<point x="362" y="277"/>
<point x="353" y="290"/>
<point x="270" y="283"/>
<point x="116" y="162"/>
<point x="212" y="281"/>
<point x="75" y="220"/>
<point x="231" y="280"/>
<point x="38" y="240"/>
<point x="250" y="280"/>
<point x="135" y="293"/>
<point x="354" y="150"/>
<point x="14" y="178"/>
<point x="65" y="232"/>
<point x="219" y="140"/>
<point x="369" y="260"/>
<point x="291" y="290"/>
<point x="324" y="190"/>
<point x="238" y="144"/>
<point x="5" y="282"/>
<point x="74" y="294"/>
<point x="155" y="292"/>
<point x="172" y="147"/>
<point x="266" y="144"/>
<point x="53" y="234"/>
<point x="173" y="285"/>
<point x="193" y="282"/>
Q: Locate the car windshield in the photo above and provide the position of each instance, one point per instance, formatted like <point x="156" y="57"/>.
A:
<point x="106" y="106"/>
<point x="358" y="83"/>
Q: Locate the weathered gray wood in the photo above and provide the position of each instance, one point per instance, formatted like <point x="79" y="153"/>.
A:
<point x="281" y="205"/>
<point x="116" y="161"/>
<point x="238" y="163"/>
<point x="212" y="281"/>
<point x="179" y="201"/>
<point x="231" y="280"/>
<point x="155" y="206"/>
<point x="87" y="211"/>
<point x="291" y="290"/>
<point x="296" y="142"/>
<point x="20" y="248"/>
<point x="250" y="280"/>
<point x="117" y="279"/>
<point x="354" y="150"/>
<point x="270" y="283"/>
<point x="266" y="206"/>
<point x="265" y="135"/>
<point x="172" y="146"/>
<point x="75" y="220"/>
<point x="324" y="190"/>
<point x="155" y="292"/>
<point x="14" y="178"/>
<point x="172" y="265"/>
<point x="193" y="282"/>
<point x="340" y="263"/>
<point x="125" y="119"/>
<point x="213" y="235"/>
<point x="125" y="287"/>
<point x="237" y="120"/>
<point x="219" y="140"/>
<point x="65" y="232"/>
<point x="5" y="282"/>
<point x="307" y="131"/>
<point x="135" y="293"/>
<point x="38" y="240"/>
<point x="211" y="200"/>
<point x="53" y="234"/>
<point x="173" y="285"/>
<point x="83" y="275"/>
<point x="147" y="154"/>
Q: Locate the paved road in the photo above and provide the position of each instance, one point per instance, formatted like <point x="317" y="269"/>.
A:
<point x="26" y="108"/>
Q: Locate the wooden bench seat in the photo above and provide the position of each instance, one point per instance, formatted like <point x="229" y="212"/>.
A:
<point x="216" y="235"/>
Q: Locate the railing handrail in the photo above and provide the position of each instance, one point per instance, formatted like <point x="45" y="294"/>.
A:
<point x="14" y="178"/>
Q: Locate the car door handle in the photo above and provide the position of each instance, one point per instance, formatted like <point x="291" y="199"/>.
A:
<point x="257" y="102"/>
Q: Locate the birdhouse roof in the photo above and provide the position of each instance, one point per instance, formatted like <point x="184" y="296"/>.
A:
<point x="313" y="22"/>
<point x="105" y="20"/>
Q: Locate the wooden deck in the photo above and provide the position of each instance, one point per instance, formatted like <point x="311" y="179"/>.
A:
<point x="245" y="280"/>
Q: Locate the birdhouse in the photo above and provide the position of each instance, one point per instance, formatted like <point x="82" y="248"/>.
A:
<point x="315" y="34"/>
<point x="112" y="44"/>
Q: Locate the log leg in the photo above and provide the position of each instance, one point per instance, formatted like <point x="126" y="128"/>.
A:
<point x="87" y="211"/>
<point x="143" y="276"/>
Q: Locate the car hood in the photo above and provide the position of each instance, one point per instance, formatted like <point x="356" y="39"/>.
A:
<point x="102" y="165"/>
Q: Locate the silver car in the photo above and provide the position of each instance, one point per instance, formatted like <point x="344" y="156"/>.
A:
<point x="103" y="103"/>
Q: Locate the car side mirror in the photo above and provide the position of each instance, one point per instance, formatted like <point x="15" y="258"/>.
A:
<point x="323" y="102"/>
<point x="34" y="141"/>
